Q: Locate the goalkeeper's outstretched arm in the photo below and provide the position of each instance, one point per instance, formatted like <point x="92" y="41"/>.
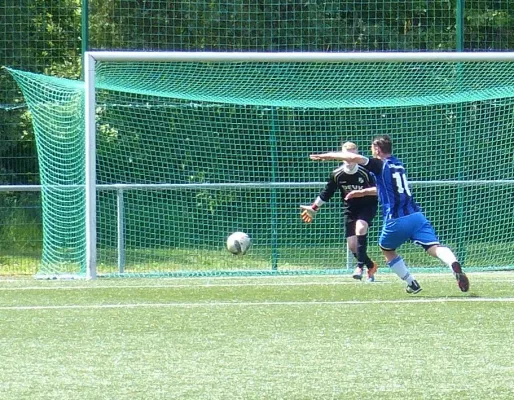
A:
<point x="309" y="212"/>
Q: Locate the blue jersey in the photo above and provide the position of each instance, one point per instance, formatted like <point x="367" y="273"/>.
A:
<point x="393" y="188"/>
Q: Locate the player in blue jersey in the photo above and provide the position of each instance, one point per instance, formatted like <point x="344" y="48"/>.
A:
<point x="403" y="217"/>
<point x="359" y="195"/>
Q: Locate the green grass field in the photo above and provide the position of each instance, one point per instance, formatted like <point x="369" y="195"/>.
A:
<point x="274" y="337"/>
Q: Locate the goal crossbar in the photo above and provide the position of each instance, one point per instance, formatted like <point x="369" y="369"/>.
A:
<point x="300" y="57"/>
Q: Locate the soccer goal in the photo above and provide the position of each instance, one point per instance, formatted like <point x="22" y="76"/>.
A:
<point x="178" y="150"/>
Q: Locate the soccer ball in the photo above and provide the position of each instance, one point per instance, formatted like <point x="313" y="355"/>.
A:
<point x="238" y="243"/>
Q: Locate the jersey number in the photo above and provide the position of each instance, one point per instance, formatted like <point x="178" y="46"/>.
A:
<point x="401" y="183"/>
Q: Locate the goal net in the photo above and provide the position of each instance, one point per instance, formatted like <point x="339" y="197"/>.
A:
<point x="178" y="150"/>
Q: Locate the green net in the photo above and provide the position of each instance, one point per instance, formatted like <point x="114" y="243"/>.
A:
<point x="328" y="25"/>
<point x="189" y="152"/>
<point x="49" y="36"/>
<point x="57" y="114"/>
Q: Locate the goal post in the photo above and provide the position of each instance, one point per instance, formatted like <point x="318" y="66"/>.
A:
<point x="90" y="165"/>
<point x="181" y="149"/>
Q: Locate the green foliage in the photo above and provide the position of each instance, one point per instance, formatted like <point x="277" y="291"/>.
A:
<point x="20" y="233"/>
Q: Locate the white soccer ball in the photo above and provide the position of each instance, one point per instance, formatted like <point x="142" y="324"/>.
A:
<point x="238" y="243"/>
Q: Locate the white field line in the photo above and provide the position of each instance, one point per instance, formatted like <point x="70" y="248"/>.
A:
<point x="262" y="303"/>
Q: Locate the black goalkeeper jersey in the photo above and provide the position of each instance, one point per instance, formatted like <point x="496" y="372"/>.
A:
<point x="346" y="182"/>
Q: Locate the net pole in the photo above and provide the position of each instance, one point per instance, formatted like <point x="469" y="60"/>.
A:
<point x="461" y="143"/>
<point x="349" y="258"/>
<point x="90" y="165"/>
<point x="274" y="206"/>
<point x="84" y="30"/>
<point x="121" y="230"/>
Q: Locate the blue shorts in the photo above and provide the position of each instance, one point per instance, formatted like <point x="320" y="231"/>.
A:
<point x="414" y="227"/>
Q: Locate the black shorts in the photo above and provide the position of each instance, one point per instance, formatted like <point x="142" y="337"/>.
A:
<point x="351" y="218"/>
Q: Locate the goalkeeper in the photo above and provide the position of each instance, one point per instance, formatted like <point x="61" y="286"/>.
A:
<point x="360" y="204"/>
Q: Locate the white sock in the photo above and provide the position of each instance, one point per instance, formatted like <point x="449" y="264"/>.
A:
<point x="399" y="268"/>
<point x="445" y="255"/>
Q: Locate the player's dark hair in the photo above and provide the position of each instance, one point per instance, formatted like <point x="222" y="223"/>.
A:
<point x="384" y="143"/>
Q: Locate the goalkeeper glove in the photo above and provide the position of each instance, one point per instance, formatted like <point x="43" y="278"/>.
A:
<point x="308" y="213"/>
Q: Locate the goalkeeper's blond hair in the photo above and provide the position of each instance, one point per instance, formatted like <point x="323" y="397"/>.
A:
<point x="351" y="147"/>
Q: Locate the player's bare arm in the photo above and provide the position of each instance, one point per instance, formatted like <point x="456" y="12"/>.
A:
<point x="340" y="156"/>
<point x="372" y="191"/>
